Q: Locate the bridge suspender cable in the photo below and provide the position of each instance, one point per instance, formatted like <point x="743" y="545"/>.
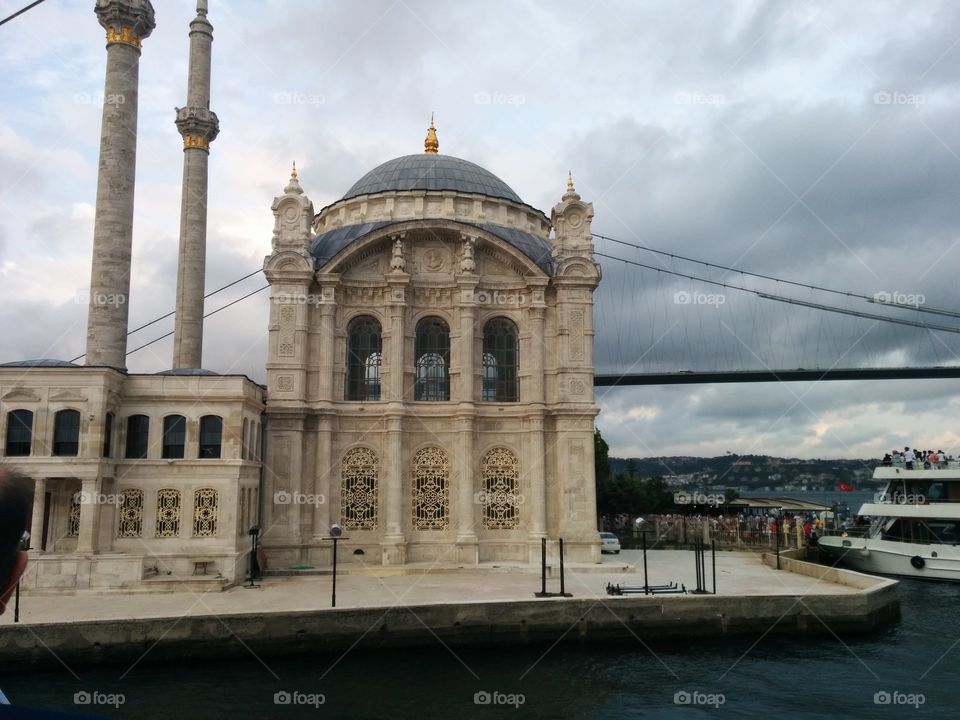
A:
<point x="782" y="298"/>
<point x="847" y="293"/>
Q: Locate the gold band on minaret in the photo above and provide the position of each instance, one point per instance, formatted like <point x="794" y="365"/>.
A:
<point x="431" y="145"/>
<point x="124" y="35"/>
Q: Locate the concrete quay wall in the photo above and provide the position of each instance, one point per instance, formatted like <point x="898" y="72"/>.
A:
<point x="488" y="623"/>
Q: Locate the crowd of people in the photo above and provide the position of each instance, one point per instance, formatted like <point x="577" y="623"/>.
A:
<point x="911" y="459"/>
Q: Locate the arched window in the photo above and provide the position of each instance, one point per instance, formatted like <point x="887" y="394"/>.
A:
<point x="364" y="353"/>
<point x="500" y="498"/>
<point x="19" y="433"/>
<point x="66" y="432"/>
<point x="138" y="436"/>
<point x="174" y="436"/>
<point x="211" y="436"/>
<point x="432" y="350"/>
<point x="108" y="436"/>
<point x="168" y="513"/>
<point x="131" y="513"/>
<point x="500" y="353"/>
<point x="358" y="490"/>
<point x="431" y="489"/>
<point x="205" y="512"/>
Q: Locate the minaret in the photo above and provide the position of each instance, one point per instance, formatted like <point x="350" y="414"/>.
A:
<point x="199" y="127"/>
<point x="127" y="23"/>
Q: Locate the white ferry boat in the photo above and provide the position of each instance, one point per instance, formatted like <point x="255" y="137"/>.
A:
<point x="911" y="529"/>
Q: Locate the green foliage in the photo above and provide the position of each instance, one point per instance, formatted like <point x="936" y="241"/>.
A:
<point x="626" y="491"/>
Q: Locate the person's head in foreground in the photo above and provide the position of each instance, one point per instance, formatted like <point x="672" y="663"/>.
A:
<point x="16" y="502"/>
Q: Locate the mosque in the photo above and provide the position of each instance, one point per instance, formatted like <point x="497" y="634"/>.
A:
<point x="429" y="377"/>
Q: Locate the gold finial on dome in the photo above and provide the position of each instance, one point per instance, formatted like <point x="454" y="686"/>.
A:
<point x="570" y="180"/>
<point x="293" y="172"/>
<point x="431" y="145"/>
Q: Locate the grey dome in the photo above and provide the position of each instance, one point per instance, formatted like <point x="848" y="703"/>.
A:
<point x="427" y="171"/>
<point x="39" y="363"/>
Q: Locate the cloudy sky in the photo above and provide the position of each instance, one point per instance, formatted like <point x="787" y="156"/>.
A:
<point x="814" y="142"/>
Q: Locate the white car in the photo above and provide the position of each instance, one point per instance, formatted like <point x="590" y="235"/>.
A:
<point x="609" y="543"/>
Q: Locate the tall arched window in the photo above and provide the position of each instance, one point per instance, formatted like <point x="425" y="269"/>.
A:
<point x="500" y="498"/>
<point x="168" y="513"/>
<point x="66" y="432"/>
<point x="500" y="355"/>
<point x="174" y="436"/>
<point x="211" y="436"/>
<point x="364" y="353"/>
<point x="431" y="489"/>
<point x="19" y="433"/>
<point x="206" y="511"/>
<point x="138" y="436"/>
<point x="108" y="436"/>
<point x="432" y="350"/>
<point x="131" y="513"/>
<point x="358" y="490"/>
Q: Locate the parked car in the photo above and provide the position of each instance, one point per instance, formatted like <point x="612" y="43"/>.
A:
<point x="609" y="543"/>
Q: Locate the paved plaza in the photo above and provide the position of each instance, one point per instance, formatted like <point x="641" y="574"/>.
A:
<point x="738" y="574"/>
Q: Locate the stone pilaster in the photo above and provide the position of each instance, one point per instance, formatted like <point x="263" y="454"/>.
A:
<point x="328" y="311"/>
<point x="397" y="282"/>
<point x="127" y="23"/>
<point x="199" y="127"/>
<point x="394" y="545"/>
<point x="324" y="477"/>
<point x="89" y="516"/>
<point x="36" y="520"/>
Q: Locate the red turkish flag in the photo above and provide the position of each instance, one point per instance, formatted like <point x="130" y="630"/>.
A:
<point x="845" y="487"/>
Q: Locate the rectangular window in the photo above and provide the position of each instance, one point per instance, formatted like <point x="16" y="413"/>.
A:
<point x="19" y="433"/>
<point x="174" y="436"/>
<point x="108" y="436"/>
<point x="138" y="436"/>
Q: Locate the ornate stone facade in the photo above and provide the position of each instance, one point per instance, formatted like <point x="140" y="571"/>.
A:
<point x="440" y="338"/>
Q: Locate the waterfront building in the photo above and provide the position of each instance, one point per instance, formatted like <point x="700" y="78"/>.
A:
<point x="429" y="376"/>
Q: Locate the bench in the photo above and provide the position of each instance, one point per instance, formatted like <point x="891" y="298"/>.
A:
<point x="200" y="565"/>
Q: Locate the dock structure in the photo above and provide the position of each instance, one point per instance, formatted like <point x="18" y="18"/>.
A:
<point x="492" y="605"/>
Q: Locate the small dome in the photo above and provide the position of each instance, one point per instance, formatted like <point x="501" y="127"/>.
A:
<point x="426" y="171"/>
<point x="39" y="363"/>
<point x="187" y="372"/>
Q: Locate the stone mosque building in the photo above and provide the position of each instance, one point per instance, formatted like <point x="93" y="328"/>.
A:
<point x="429" y="377"/>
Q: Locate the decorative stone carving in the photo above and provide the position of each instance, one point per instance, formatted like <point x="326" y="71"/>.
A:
<point x="205" y="512"/>
<point x="358" y="490"/>
<point x="168" y="512"/>
<point x="500" y="498"/>
<point x="467" y="263"/>
<point x="397" y="263"/>
<point x="431" y="489"/>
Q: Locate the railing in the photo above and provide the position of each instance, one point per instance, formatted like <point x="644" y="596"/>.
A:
<point x="681" y="531"/>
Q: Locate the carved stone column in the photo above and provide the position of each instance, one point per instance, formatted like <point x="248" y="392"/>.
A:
<point x="394" y="544"/>
<point x="89" y="516"/>
<point x="328" y="312"/>
<point x="537" y="505"/>
<point x="324" y="481"/>
<point x="467" y="543"/>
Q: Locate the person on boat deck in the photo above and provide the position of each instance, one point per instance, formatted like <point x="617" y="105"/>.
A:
<point x="908" y="458"/>
<point x="941" y="459"/>
<point x="887" y="460"/>
<point x="933" y="458"/>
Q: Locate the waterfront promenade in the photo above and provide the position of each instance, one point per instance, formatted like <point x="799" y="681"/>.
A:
<point x="495" y="605"/>
<point x="738" y="574"/>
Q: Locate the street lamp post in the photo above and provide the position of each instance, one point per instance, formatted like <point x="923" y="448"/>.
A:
<point x="336" y="534"/>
